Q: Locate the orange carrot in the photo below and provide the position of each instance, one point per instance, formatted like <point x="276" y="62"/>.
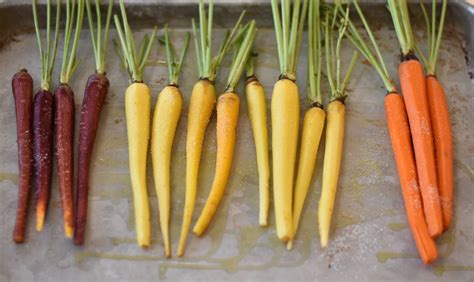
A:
<point x="398" y="126"/>
<point x="397" y="123"/>
<point x="413" y="86"/>
<point x="443" y="146"/>
<point x="439" y="112"/>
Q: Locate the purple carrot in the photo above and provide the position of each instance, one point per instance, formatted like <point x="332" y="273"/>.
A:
<point x="94" y="98"/>
<point x="22" y="88"/>
<point x="64" y="137"/>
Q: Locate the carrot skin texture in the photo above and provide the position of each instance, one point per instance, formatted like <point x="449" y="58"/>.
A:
<point x="285" y="112"/>
<point x="258" y="116"/>
<point x="94" y="97"/>
<point x="413" y="87"/>
<point x="201" y="106"/>
<point x="227" y="119"/>
<point x="64" y="136"/>
<point x="165" y="120"/>
<point x="335" y="121"/>
<point x="443" y="143"/>
<point x="22" y="88"/>
<point x="43" y="107"/>
<point x="399" y="130"/>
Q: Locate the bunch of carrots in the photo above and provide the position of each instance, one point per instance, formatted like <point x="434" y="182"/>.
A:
<point x="418" y="121"/>
<point x="423" y="154"/>
<point x="49" y="119"/>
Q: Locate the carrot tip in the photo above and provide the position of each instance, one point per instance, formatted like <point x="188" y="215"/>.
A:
<point x="68" y="231"/>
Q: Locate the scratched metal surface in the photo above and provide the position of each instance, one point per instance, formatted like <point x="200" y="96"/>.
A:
<point x="370" y="238"/>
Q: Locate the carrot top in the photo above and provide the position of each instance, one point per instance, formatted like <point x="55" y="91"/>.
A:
<point x="47" y="59"/>
<point x="99" y="38"/>
<point x="333" y="21"/>
<point x="241" y="55"/>
<point x="434" y="36"/>
<point x="289" y="31"/>
<point x="133" y="62"/>
<point x="70" y="62"/>
<point x="174" y="62"/>
<point x="208" y="65"/>
<point x="401" y="21"/>
<point x="371" y="53"/>
<point x="315" y="53"/>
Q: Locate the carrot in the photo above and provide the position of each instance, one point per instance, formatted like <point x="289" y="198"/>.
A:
<point x="285" y="111"/>
<point x="397" y="122"/>
<point x="165" y="120"/>
<point x="201" y="106"/>
<point x="413" y="87"/>
<point x="439" y="114"/>
<point x="137" y="111"/>
<point x="258" y="117"/>
<point x="22" y="89"/>
<point x="335" y="119"/>
<point x="398" y="126"/>
<point x="95" y="93"/>
<point x="43" y="105"/>
<point x="227" y="119"/>
<point x="313" y="123"/>
<point x="65" y="115"/>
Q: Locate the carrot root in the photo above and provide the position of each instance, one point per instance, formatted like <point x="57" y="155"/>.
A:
<point x="399" y="130"/>
<point x="413" y="86"/>
<point x="443" y="146"/>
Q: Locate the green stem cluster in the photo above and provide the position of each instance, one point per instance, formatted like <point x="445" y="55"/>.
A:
<point x="208" y="65"/>
<point x="289" y="32"/>
<point x="48" y="55"/>
<point x="70" y="62"/>
<point x="371" y="53"/>
<point x="174" y="62"/>
<point x="434" y="36"/>
<point x="333" y="21"/>
<point x="242" y="53"/>
<point x="401" y="21"/>
<point x="133" y="61"/>
<point x="315" y="54"/>
<point x="99" y="37"/>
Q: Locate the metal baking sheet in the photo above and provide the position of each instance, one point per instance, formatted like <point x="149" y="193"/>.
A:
<point x="370" y="238"/>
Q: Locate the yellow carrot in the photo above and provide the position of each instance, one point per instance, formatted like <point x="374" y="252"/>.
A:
<point x="258" y="117"/>
<point x="313" y="123"/>
<point x="285" y="111"/>
<point x="227" y="119"/>
<point x="335" y="117"/>
<point x="203" y="99"/>
<point x="165" y="120"/>
<point x="332" y="163"/>
<point x="137" y="111"/>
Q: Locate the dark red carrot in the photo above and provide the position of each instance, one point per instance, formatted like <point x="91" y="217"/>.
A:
<point x="64" y="137"/>
<point x="43" y="152"/>
<point x="43" y="106"/>
<point x="94" y="98"/>
<point x="65" y="114"/>
<point x="22" y="88"/>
